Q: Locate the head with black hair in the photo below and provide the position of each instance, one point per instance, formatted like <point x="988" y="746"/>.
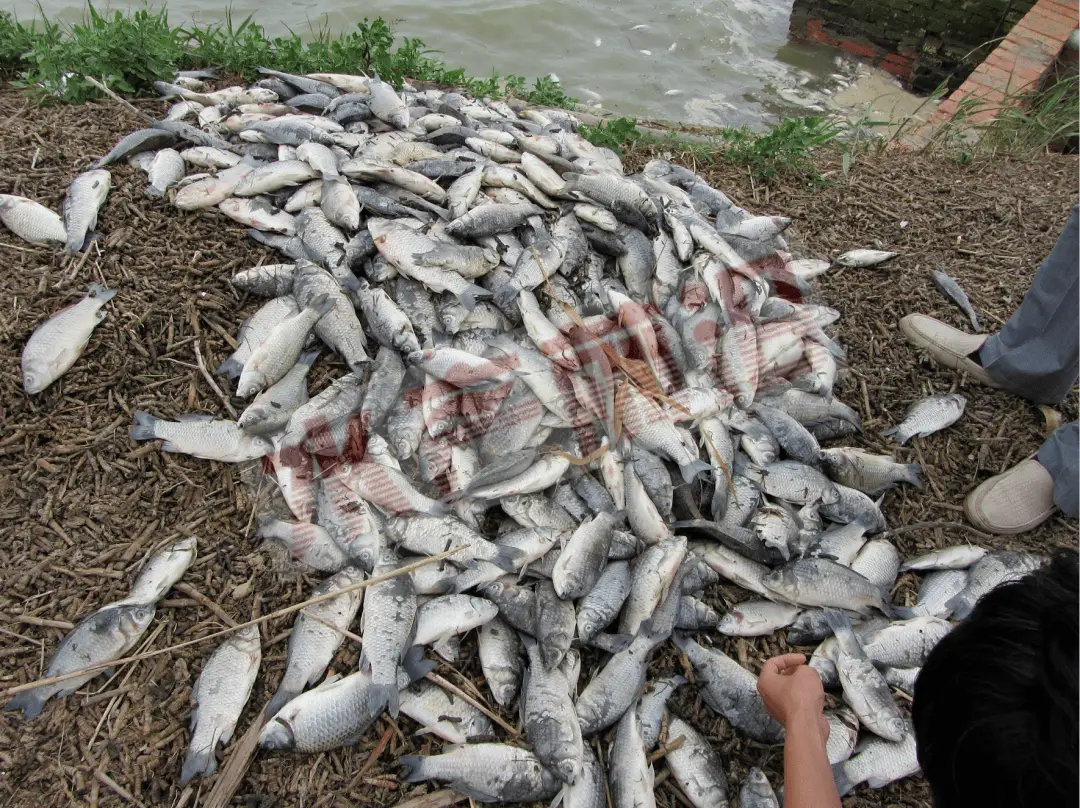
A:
<point x="996" y="704"/>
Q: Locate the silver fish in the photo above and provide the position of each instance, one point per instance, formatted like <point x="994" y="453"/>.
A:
<point x="501" y="660"/>
<point x="255" y="330"/>
<point x="200" y="436"/>
<point x="601" y="605"/>
<point x="878" y="763"/>
<point x="387" y="628"/>
<point x="951" y="289"/>
<point x="307" y="543"/>
<point x="927" y="416"/>
<point x="905" y="643"/>
<point x="879" y="562"/>
<point x="442" y="714"/>
<point x="548" y="719"/>
<point x="31" y="221"/>
<point x="105" y="635"/>
<point x="630" y="775"/>
<point x="937" y="589"/>
<point x="988" y="573"/>
<point x="58" y="343"/>
<point x="486" y="772"/>
<point x="612" y="691"/>
<point x="821" y="582"/>
<point x="653" y="573"/>
<point x="652" y="708"/>
<point x="271" y="410"/>
<point x="731" y="690"/>
<point x="164" y="172"/>
<point x="958" y="557"/>
<point x="312" y="643"/>
<point x="555" y="624"/>
<point x="697" y="767"/>
<point x="867" y="472"/>
<point x="843" y="734"/>
<point x="583" y="557"/>
<point x="864" y="258"/>
<point x="161" y="571"/>
<point x="219" y="696"/>
<point x="756" y="618"/>
<point x="276" y="356"/>
<point x="864" y="686"/>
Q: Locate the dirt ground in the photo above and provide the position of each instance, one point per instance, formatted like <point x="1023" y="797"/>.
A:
<point x="82" y="505"/>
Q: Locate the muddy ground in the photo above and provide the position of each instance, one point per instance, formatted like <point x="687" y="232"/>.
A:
<point x="82" y="505"/>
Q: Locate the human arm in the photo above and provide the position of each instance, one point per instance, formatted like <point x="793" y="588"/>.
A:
<point x="793" y="695"/>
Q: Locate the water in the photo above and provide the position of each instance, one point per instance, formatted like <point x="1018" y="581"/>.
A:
<point x="718" y="62"/>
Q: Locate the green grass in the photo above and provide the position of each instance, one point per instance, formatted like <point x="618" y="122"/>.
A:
<point x="128" y="52"/>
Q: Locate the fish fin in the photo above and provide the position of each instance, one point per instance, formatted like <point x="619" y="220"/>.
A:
<point x="282" y="697"/>
<point x="31" y="703"/>
<point x="555" y="803"/>
<point x="913" y="475"/>
<point x="612" y="643"/>
<point x="888" y="433"/>
<point x="143" y="428"/>
<point x="508" y="558"/>
<point x="843" y="783"/>
<point x="415" y="665"/>
<point x="471" y="294"/>
<point x="898" y="612"/>
<point x="692" y="469"/>
<point x="309" y="358"/>
<point x="412" y="766"/>
<point x="231" y="368"/>
<point x="153" y="192"/>
<point x="198" y="762"/>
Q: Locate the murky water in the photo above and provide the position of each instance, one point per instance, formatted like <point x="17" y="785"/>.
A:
<point x="716" y="62"/>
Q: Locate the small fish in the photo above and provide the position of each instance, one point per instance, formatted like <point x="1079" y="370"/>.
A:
<point x="821" y="582"/>
<point x="927" y="416"/>
<point x="58" y="343"/>
<point x="630" y="775"/>
<point x="865" y="258"/>
<point x="105" y="635"/>
<point x="307" y="543"/>
<point x="905" y="643"/>
<point x="843" y="734"/>
<point x="271" y="410"/>
<point x="486" y="772"/>
<point x="31" y="221"/>
<point x="388" y="624"/>
<point x="166" y="169"/>
<point x="201" y="436"/>
<point x="162" y="570"/>
<point x="501" y="660"/>
<point x="276" y="356"/>
<point x="757" y="618"/>
<point x="872" y="474"/>
<point x="959" y="557"/>
<point x="219" y="696"/>
<point x="547" y="716"/>
<point x="879" y="562"/>
<point x="697" y="766"/>
<point x="988" y="573"/>
<point x="951" y="289"/>
<point x="442" y="714"/>
<point x="652" y="708"/>
<point x="878" y="763"/>
<point x="864" y="686"/>
<point x="312" y="643"/>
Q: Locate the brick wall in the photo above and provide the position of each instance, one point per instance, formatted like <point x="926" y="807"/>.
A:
<point x="923" y="42"/>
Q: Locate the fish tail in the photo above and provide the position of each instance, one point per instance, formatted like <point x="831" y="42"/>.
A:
<point x="198" y="762"/>
<point x="282" y="697"/>
<point x="894" y="432"/>
<point x="894" y="612"/>
<point x="306" y="358"/>
<point x="840" y="776"/>
<point x="415" y="665"/>
<point x="32" y="702"/>
<point x="100" y="293"/>
<point x="153" y="192"/>
<point x="143" y="428"/>
<point x="692" y="469"/>
<point x="473" y="293"/>
<point x="913" y="475"/>
<point x="386" y="695"/>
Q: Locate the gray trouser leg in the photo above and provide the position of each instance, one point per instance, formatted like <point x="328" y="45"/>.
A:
<point x="1060" y="455"/>
<point x="1036" y="354"/>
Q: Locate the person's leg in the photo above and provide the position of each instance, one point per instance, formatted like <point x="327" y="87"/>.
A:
<point x="1036" y="354"/>
<point x="1060" y="455"/>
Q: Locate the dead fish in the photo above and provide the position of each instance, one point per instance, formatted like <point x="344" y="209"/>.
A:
<point x="951" y="289"/>
<point x="864" y="258"/>
<point x="58" y="343"/>
<point x="927" y="416"/>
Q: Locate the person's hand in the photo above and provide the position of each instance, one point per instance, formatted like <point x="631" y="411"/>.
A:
<point x="792" y="692"/>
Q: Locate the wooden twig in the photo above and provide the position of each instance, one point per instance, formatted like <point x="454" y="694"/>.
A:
<point x="114" y="786"/>
<point x="378" y="579"/>
<point x="465" y="697"/>
<point x="198" y="596"/>
<point x="235" y="768"/>
<point x="667" y="749"/>
<point x="210" y="381"/>
<point x="443" y="798"/>
<point x="101" y="86"/>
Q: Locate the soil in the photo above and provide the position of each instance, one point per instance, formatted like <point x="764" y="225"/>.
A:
<point x="82" y="505"/>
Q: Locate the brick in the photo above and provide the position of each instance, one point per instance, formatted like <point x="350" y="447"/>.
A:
<point x="858" y="49"/>
<point x="901" y="70"/>
<point x="1046" y="26"/>
<point x="814" y="25"/>
<point x="818" y="36"/>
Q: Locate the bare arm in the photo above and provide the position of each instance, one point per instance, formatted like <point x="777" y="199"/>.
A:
<point x="793" y="695"/>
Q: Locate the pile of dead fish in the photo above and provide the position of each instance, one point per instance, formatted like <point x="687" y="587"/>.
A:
<point x="603" y="391"/>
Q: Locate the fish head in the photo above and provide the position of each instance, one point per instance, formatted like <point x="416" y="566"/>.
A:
<point x="568" y="769"/>
<point x="134" y="619"/>
<point x="247" y="636"/>
<point x="277" y="735"/>
<point x="896" y="727"/>
<point x="35" y="377"/>
<point x="248" y="387"/>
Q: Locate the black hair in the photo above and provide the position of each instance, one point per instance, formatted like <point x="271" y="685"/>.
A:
<point x="996" y="707"/>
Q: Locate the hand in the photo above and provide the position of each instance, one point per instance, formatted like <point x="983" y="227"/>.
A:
<point x="792" y="692"/>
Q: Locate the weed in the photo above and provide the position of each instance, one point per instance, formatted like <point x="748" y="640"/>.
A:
<point x="129" y="52"/>
<point x="783" y="149"/>
<point x="615" y="135"/>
